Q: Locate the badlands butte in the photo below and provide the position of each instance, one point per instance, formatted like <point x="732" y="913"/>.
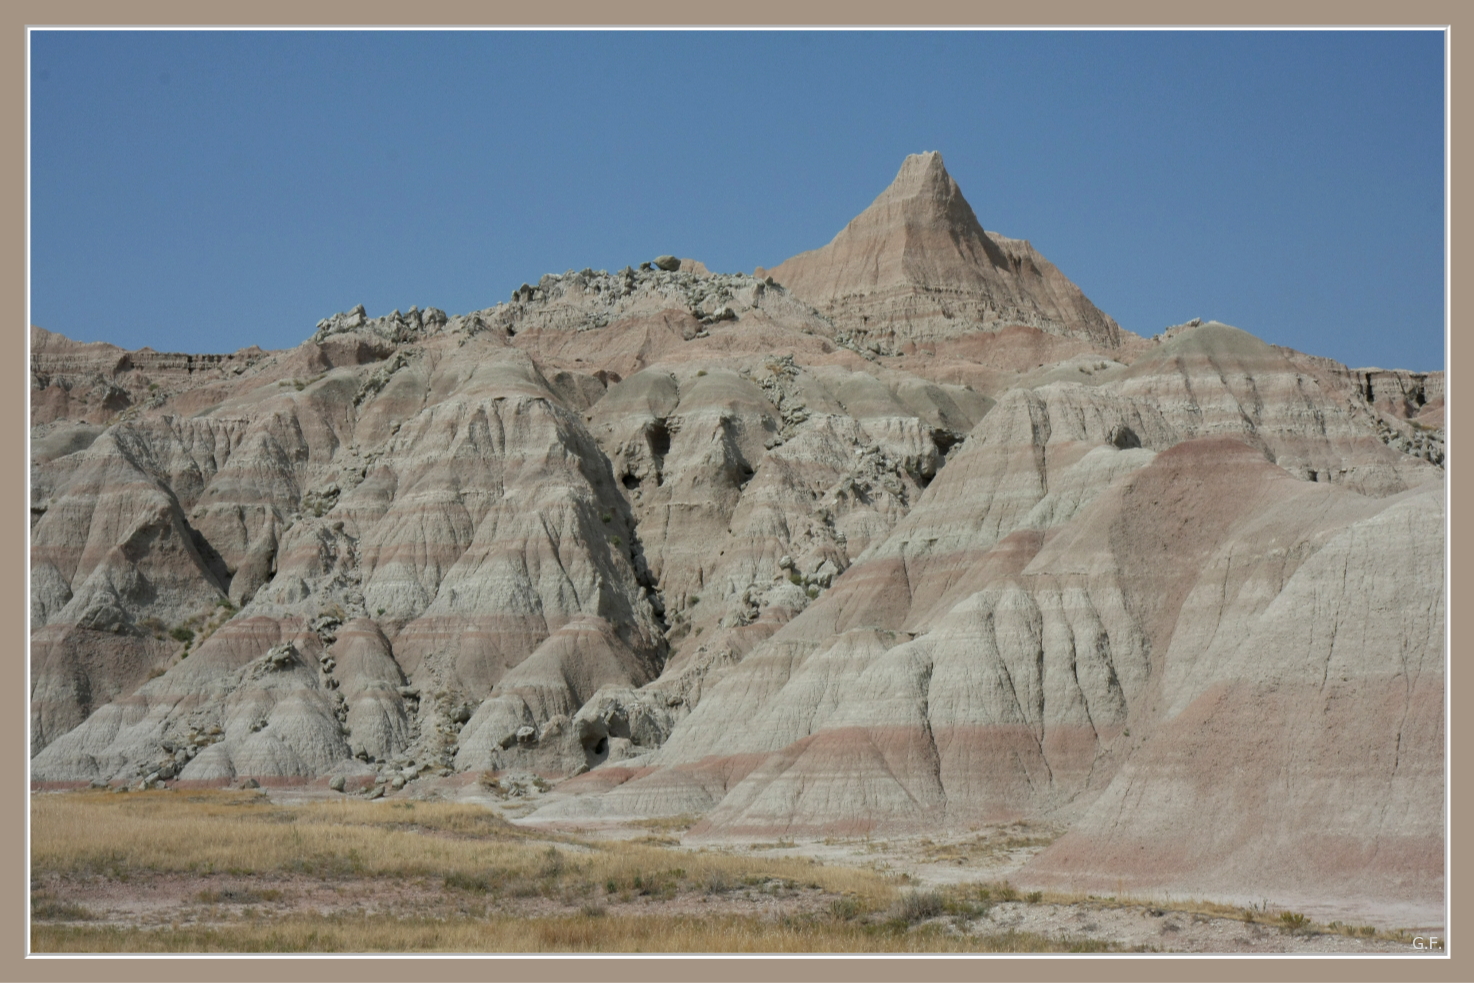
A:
<point x="899" y="537"/>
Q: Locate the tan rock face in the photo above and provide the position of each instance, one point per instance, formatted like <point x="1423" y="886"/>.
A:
<point x="946" y="547"/>
<point x="916" y="266"/>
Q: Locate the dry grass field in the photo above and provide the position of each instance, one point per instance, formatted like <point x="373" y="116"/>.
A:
<point x="232" y="871"/>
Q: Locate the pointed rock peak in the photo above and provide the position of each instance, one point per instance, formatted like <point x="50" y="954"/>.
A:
<point x="922" y="175"/>
<point x="917" y="265"/>
<point x="925" y="194"/>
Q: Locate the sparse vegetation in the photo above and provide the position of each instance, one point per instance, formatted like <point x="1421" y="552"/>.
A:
<point x="48" y="909"/>
<point x="458" y="844"/>
<point x="239" y="895"/>
<point x="1293" y="921"/>
<point x="253" y="858"/>
<point x="182" y="633"/>
<point x="592" y="930"/>
<point x="668" y="824"/>
<point x="918" y="906"/>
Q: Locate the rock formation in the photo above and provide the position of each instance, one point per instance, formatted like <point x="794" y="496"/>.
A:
<point x="904" y="536"/>
<point x="917" y="266"/>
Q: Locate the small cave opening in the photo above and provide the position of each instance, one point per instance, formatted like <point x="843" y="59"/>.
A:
<point x="629" y="481"/>
<point x="1123" y="437"/>
<point x="657" y="438"/>
<point x="601" y="746"/>
<point x="657" y="435"/>
<point x="945" y="441"/>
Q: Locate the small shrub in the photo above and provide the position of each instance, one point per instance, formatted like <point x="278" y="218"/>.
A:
<point x="616" y="541"/>
<point x="1034" y="897"/>
<point x="552" y="865"/>
<point x="700" y="373"/>
<point x="1293" y="921"/>
<point x="845" y="909"/>
<point x="592" y="910"/>
<point x="795" y="580"/>
<point x="921" y="905"/>
<point x="182" y="634"/>
<point x="606" y="518"/>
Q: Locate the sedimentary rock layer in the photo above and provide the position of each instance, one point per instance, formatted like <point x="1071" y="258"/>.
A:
<point x="917" y="266"/>
<point x="905" y="536"/>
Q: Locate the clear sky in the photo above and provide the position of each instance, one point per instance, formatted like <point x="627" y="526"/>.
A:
<point x="204" y="191"/>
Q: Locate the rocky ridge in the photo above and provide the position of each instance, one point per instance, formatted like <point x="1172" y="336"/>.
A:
<point x="699" y="546"/>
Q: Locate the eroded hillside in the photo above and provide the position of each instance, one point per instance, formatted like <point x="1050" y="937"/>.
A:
<point x="905" y="535"/>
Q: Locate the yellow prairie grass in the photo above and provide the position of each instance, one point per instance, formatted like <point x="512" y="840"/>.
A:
<point x="580" y="933"/>
<point x="145" y="833"/>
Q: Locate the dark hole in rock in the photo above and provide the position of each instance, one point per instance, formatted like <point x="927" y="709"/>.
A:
<point x="1122" y="437"/>
<point x="657" y="435"/>
<point x="630" y="481"/>
<point x="945" y="441"/>
<point x="601" y="746"/>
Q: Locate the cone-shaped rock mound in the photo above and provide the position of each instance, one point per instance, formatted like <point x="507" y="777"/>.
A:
<point x="917" y="266"/>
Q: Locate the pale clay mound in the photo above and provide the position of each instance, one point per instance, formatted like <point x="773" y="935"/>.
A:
<point x="905" y="536"/>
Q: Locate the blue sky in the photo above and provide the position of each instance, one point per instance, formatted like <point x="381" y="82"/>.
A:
<point x="203" y="191"/>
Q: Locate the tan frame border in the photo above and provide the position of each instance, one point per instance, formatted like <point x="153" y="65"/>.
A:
<point x="14" y="878"/>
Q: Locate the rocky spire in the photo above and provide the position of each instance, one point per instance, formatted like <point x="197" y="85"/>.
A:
<point x="917" y="265"/>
